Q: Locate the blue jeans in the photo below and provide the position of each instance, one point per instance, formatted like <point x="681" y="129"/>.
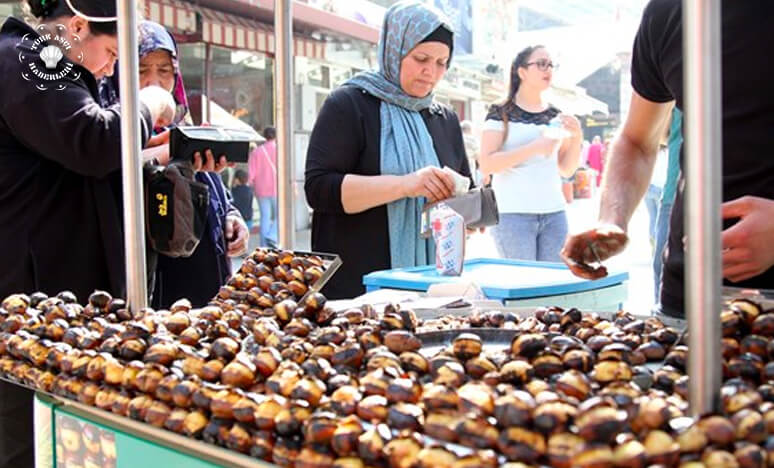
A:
<point x="268" y="208"/>
<point x="522" y="236"/>
<point x="662" y="234"/>
<point x="652" y="201"/>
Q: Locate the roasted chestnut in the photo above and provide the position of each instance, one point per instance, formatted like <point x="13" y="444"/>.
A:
<point x="476" y="433"/>
<point x="561" y="447"/>
<point x="372" y="442"/>
<point x="718" y="430"/>
<point x="528" y="345"/>
<point x="601" y="424"/>
<point x="521" y="445"/>
<point x="467" y="346"/>
<point x="514" y="409"/>
<point x="661" y="448"/>
<point x="399" y="341"/>
<point x="239" y="373"/>
<point x="611" y="371"/>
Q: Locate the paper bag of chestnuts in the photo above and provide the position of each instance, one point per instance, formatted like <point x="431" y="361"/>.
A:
<point x="448" y="228"/>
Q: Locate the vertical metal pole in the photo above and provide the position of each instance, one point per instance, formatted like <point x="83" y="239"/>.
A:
<point x="131" y="154"/>
<point x="207" y="114"/>
<point x="283" y="66"/>
<point x="703" y="112"/>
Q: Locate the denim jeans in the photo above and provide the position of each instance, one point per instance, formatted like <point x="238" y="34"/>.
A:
<point x="652" y="201"/>
<point x="662" y="234"/>
<point x="268" y="208"/>
<point x="523" y="236"/>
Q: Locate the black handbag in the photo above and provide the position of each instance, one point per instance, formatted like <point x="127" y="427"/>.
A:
<point x="175" y="208"/>
<point x="478" y="208"/>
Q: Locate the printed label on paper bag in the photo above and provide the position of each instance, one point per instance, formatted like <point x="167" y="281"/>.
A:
<point x="449" y="235"/>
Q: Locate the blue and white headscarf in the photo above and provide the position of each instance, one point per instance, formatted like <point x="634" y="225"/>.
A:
<point x="406" y="145"/>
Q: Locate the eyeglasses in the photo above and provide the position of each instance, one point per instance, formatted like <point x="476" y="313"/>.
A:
<point x="542" y="64"/>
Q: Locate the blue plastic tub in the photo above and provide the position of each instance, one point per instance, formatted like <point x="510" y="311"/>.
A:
<point x="513" y="282"/>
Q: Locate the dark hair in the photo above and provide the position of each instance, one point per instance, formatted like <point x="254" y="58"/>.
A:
<point x="515" y="82"/>
<point x="240" y="175"/>
<point x="270" y="133"/>
<point x="53" y="9"/>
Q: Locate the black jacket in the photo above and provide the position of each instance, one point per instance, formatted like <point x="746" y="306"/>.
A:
<point x="346" y="140"/>
<point x="60" y="192"/>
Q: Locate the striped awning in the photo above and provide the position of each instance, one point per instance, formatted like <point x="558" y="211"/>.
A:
<point x="178" y="16"/>
<point x="225" y="29"/>
<point x="241" y="33"/>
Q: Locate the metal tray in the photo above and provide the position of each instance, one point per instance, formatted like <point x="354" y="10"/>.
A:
<point x="331" y="264"/>
<point x="497" y="340"/>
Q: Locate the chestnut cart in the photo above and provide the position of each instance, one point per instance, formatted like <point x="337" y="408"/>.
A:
<point x="102" y="439"/>
<point x="69" y="432"/>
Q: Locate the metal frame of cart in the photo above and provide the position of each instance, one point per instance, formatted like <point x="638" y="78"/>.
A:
<point x="703" y="144"/>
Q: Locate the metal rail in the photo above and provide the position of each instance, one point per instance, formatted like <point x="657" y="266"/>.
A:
<point x="131" y="154"/>
<point x="283" y="64"/>
<point x="703" y="140"/>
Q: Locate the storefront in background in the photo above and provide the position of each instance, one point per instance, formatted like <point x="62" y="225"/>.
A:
<point x="9" y="9"/>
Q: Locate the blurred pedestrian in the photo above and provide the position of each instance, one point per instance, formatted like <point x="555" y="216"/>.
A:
<point x="262" y="177"/>
<point x="242" y="194"/>
<point x="595" y="159"/>
<point x="653" y="195"/>
<point x="527" y="162"/>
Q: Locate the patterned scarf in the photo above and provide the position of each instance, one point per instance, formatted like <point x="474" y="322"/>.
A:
<point x="153" y="37"/>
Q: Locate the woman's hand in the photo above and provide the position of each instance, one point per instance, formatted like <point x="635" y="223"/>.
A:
<point x="209" y="163"/>
<point x="572" y="125"/>
<point x="160" y="103"/>
<point x="431" y="182"/>
<point x="158" y="140"/>
<point x="237" y="236"/>
<point x="158" y="153"/>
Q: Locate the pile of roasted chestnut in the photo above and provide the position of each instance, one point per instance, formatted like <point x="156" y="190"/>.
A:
<point x="295" y="383"/>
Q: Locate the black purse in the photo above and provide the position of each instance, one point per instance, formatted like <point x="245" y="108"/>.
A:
<point x="478" y="208"/>
<point x="175" y="208"/>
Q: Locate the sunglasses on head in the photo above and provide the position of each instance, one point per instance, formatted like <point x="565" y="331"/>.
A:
<point x="542" y="64"/>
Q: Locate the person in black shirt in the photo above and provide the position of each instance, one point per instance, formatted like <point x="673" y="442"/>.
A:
<point x="243" y="196"/>
<point x="376" y="150"/>
<point x="748" y="167"/>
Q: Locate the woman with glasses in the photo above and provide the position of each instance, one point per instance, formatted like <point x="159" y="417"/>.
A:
<point x="527" y="155"/>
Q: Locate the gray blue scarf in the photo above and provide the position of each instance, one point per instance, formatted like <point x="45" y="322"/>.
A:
<point x="406" y="145"/>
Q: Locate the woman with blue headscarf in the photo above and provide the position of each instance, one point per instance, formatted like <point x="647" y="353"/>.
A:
<point x="200" y="276"/>
<point x="376" y="152"/>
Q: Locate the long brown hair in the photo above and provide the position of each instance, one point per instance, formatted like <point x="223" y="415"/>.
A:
<point x="515" y="82"/>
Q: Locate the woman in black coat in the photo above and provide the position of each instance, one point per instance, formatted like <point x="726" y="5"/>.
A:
<point x="60" y="155"/>
<point x="376" y="151"/>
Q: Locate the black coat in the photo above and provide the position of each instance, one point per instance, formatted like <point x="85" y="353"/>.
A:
<point x="347" y="140"/>
<point x="60" y="192"/>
